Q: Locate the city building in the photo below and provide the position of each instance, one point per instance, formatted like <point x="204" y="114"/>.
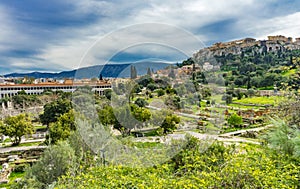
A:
<point x="9" y="89"/>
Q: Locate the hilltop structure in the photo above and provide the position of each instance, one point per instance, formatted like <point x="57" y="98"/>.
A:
<point x="272" y="44"/>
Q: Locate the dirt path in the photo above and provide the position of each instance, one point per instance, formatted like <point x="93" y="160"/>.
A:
<point x="20" y="148"/>
<point x="234" y="133"/>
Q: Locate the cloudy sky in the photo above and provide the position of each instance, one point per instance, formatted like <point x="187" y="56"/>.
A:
<point x="56" y="35"/>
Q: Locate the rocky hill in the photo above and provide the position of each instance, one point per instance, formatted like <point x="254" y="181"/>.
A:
<point x="238" y="47"/>
<point x="249" y="63"/>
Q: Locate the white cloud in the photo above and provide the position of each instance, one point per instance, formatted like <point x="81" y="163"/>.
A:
<point x="7" y="30"/>
<point x="67" y="45"/>
<point x="282" y="25"/>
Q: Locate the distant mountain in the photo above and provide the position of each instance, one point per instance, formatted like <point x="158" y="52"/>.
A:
<point x="108" y="70"/>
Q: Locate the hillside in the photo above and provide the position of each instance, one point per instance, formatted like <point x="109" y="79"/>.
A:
<point x="250" y="63"/>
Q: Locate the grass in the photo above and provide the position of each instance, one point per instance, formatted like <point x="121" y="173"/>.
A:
<point x="12" y="177"/>
<point x="244" y="107"/>
<point x="7" y="140"/>
<point x="289" y="72"/>
<point x="15" y="175"/>
<point x="151" y="133"/>
<point x="40" y="127"/>
<point x="262" y="100"/>
<point x="24" y="144"/>
<point x="148" y="144"/>
<point x="232" y="129"/>
<point x="266" y="88"/>
<point x="30" y="144"/>
<point x="217" y="98"/>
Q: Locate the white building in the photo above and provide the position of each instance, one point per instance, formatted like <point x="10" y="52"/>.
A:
<point x="8" y="90"/>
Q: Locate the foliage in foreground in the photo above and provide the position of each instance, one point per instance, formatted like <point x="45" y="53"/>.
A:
<point x="55" y="162"/>
<point x="216" y="167"/>
<point x="284" y="138"/>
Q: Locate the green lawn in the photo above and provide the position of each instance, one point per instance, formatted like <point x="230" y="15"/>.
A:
<point x="148" y="144"/>
<point x="30" y="144"/>
<point x="12" y="177"/>
<point x="244" y="107"/>
<point x="289" y="72"/>
<point x="23" y="144"/>
<point x="217" y="98"/>
<point x="40" y="127"/>
<point x="262" y="100"/>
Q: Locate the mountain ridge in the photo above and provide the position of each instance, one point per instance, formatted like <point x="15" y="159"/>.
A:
<point x="108" y="71"/>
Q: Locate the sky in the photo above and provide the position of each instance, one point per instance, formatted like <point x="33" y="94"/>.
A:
<point x="57" y="35"/>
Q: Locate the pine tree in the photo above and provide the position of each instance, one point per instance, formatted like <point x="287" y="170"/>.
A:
<point x="172" y="73"/>
<point x="149" y="72"/>
<point x="133" y="73"/>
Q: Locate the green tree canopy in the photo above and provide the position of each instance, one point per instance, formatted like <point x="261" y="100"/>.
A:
<point x="141" y="102"/>
<point x="170" y="123"/>
<point x="55" y="162"/>
<point x="108" y="93"/>
<point x="16" y="126"/>
<point x="62" y="128"/>
<point x="53" y="110"/>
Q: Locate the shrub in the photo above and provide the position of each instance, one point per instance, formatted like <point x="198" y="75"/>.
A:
<point x="21" y="167"/>
<point x="235" y="120"/>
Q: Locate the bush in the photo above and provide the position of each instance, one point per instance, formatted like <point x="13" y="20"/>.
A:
<point x="235" y="120"/>
<point x="284" y="138"/>
<point x="160" y="92"/>
<point x="141" y="102"/>
<point x="21" y="167"/>
<point x="227" y="98"/>
<point x="55" y="162"/>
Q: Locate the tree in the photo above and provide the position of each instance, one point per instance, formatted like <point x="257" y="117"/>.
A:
<point x="106" y="116"/>
<point x="151" y="86"/>
<point x="173" y="102"/>
<point x="235" y="120"/>
<point x="149" y="72"/>
<point x="170" y="123"/>
<point x="172" y="73"/>
<point x="16" y="126"/>
<point x="133" y="72"/>
<point x="141" y="102"/>
<point x="124" y="121"/>
<point x="53" y="110"/>
<point x="170" y="90"/>
<point x="227" y="98"/>
<point x="205" y="92"/>
<point x="284" y="138"/>
<point x="160" y="92"/>
<point x="181" y="90"/>
<point x="145" y="80"/>
<point x="108" y="93"/>
<point x="250" y="92"/>
<point x="22" y="92"/>
<point x="141" y="115"/>
<point x="55" y="162"/>
<point x="22" y="100"/>
<point x="239" y="82"/>
<point x="189" y="61"/>
<point x="62" y="128"/>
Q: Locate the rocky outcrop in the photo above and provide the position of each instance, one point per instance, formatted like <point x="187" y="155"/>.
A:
<point x="272" y="44"/>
